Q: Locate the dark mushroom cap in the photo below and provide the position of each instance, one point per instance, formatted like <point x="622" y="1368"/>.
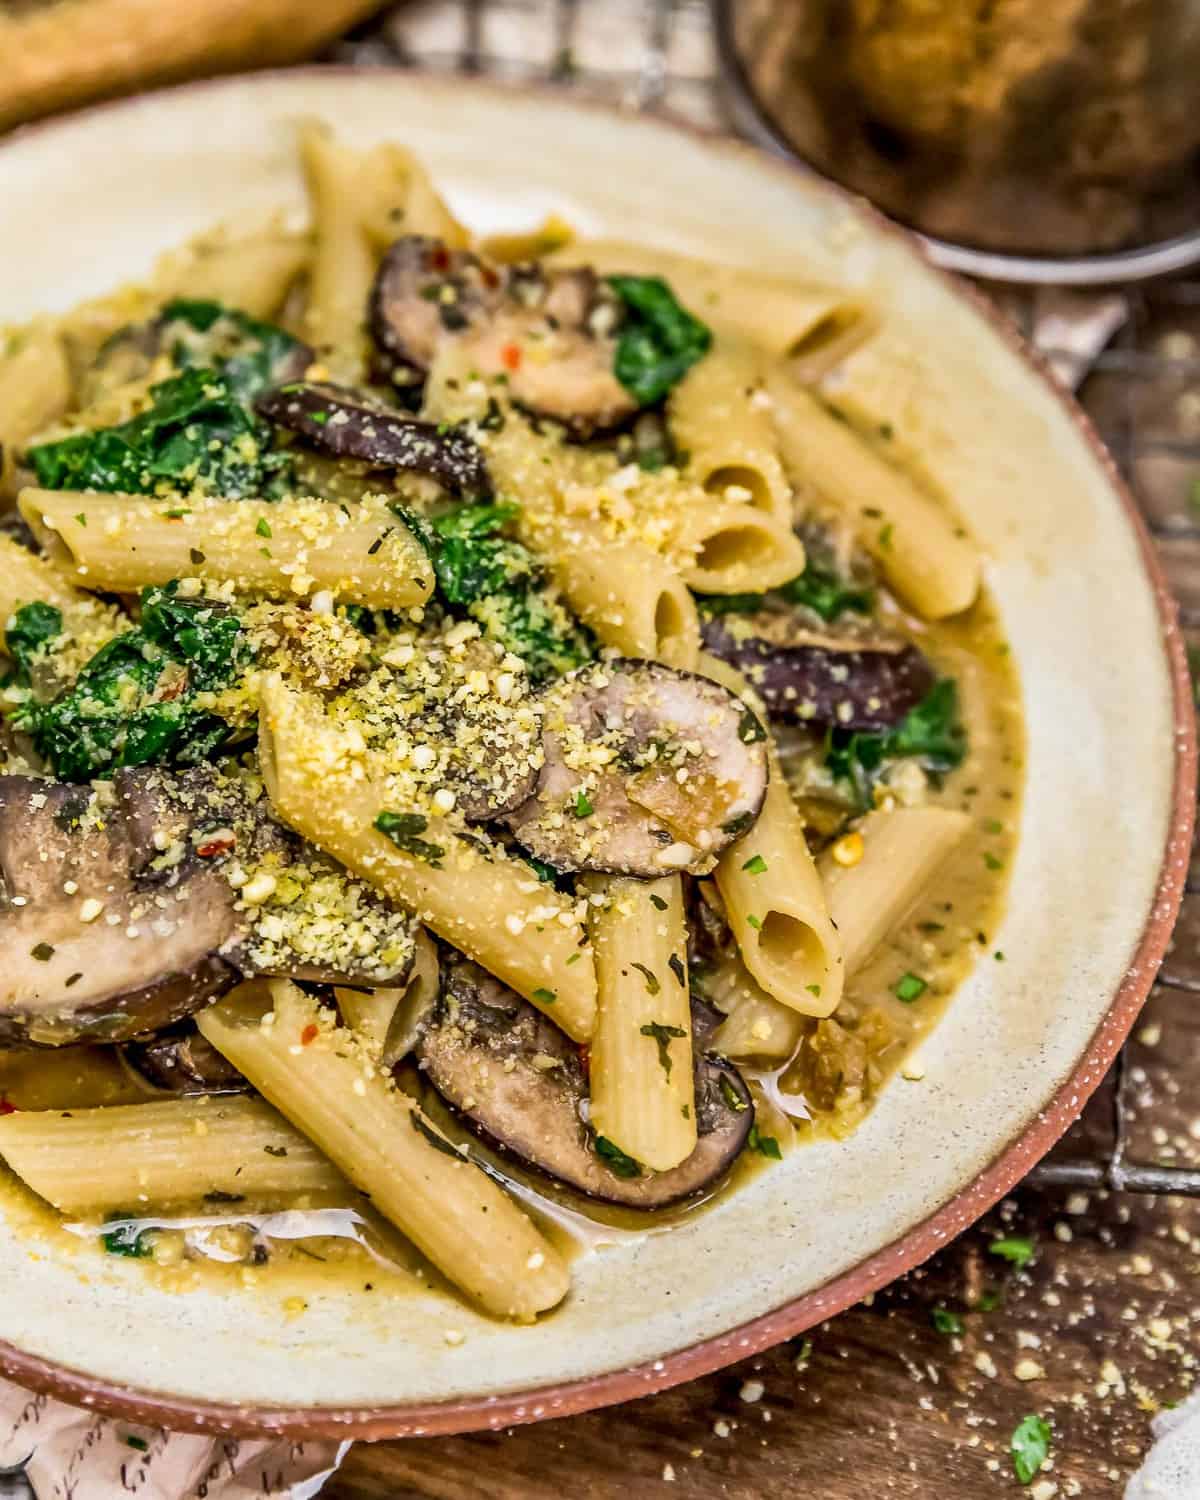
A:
<point x="89" y="955"/>
<point x="181" y="1061"/>
<point x="813" y="676"/>
<point x="551" y="334"/>
<point x="120" y="913"/>
<point x="519" y="1081"/>
<point x="340" y="421"/>
<point x="648" y="770"/>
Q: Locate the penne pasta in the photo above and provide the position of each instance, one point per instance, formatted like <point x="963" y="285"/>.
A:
<point x="737" y="548"/>
<point x="773" y="894"/>
<point x="394" y="196"/>
<point x="484" y="903"/>
<point x="755" y="1025"/>
<point x="902" y="850"/>
<point x="254" y="273"/>
<point x="716" y="415"/>
<point x="358" y="552"/>
<point x="921" y="549"/>
<point x="343" y="263"/>
<point x="792" y="320"/>
<point x="629" y="595"/>
<point x="451" y="1210"/>
<point x="35" y="390"/>
<point x="640" y="1057"/>
<point x="117" y="1158"/>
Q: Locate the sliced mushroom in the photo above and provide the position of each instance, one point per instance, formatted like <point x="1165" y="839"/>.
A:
<point x="520" y="1082"/>
<point x="340" y="421"/>
<point x="857" y="680"/>
<point x="89" y="954"/>
<point x="551" y="334"/>
<point x="181" y="1061"/>
<point x="127" y="907"/>
<point x="647" y="770"/>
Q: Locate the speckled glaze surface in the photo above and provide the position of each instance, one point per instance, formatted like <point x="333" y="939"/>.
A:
<point x="1106" y="819"/>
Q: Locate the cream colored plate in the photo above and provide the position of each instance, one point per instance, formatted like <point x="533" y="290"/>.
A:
<point x="92" y="200"/>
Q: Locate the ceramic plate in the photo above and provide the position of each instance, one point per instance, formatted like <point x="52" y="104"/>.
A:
<point x="93" y="199"/>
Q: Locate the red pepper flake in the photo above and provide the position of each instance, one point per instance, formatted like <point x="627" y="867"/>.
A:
<point x="489" y="278"/>
<point x="174" y="689"/>
<point x="309" y="1034"/>
<point x="585" y="1057"/>
<point x="213" y="847"/>
<point x="439" y="258"/>
<point x="510" y="357"/>
<point x="5" y="1107"/>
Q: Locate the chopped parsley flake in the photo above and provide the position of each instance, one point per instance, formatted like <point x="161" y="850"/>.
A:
<point x="615" y="1159"/>
<point x="652" y="984"/>
<point x="765" y="1145"/>
<point x="755" y="922"/>
<point x="545" y="997"/>
<point x="946" y="1321"/>
<point x="909" y="987"/>
<point x="663" y="1035"/>
<point x="583" y="808"/>
<point x="404" y="830"/>
<point x="1030" y="1447"/>
<point x="756" y="865"/>
<point x="1017" y="1249"/>
<point x="675" y="964"/>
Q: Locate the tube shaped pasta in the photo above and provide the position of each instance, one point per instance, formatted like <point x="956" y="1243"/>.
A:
<point x="640" y="1058"/>
<point x="486" y="904"/>
<point x="451" y="1210"/>
<point x="168" y="1151"/>
<point x="35" y="389"/>
<point x="795" y="320"/>
<point x="630" y="596"/>
<point x="715" y="418"/>
<point x="395" y="196"/>
<point x="773" y="895"/>
<point x="253" y="273"/>
<point x="26" y="578"/>
<point x="343" y="264"/>
<point x="285" y="549"/>
<point x="920" y="548"/>
<point x="755" y="1026"/>
<point x="738" y="549"/>
<point x="902" y="849"/>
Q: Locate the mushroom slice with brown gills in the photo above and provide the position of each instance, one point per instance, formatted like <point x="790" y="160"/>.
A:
<point x="550" y="334"/>
<point x="520" y="1082"/>
<point x="90" y="954"/>
<point x="806" y="674"/>
<point x="181" y="1061"/>
<point x="340" y="421"/>
<point x="647" y="770"/>
<point x="293" y="913"/>
<point x="119" y="913"/>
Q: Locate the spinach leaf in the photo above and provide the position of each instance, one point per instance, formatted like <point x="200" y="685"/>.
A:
<point x="249" y="354"/>
<point x="502" y="586"/>
<point x="196" y="429"/>
<point x="471" y="559"/>
<point x="659" y="341"/>
<point x="932" y="732"/>
<point x="117" y="713"/>
<point x="817" y="588"/>
<point x="615" y="1159"/>
<point x="404" y="830"/>
<point x="30" y="634"/>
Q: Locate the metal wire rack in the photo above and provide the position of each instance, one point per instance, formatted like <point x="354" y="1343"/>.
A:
<point x="1142" y="387"/>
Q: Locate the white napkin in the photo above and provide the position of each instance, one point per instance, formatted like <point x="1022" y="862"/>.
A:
<point x="76" y="1455"/>
<point x="1171" y="1470"/>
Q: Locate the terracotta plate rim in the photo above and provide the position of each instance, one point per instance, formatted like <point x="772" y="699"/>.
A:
<point x="373" y="1423"/>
